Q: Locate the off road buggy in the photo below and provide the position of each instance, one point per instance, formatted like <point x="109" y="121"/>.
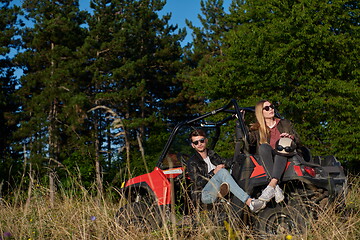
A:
<point x="153" y="198"/>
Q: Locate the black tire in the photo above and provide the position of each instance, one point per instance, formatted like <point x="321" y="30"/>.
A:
<point x="140" y="216"/>
<point x="281" y="219"/>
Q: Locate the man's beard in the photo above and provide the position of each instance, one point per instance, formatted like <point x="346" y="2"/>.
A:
<point x="203" y="150"/>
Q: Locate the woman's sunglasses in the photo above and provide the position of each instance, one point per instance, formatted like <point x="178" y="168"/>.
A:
<point x="287" y="149"/>
<point x="197" y="142"/>
<point x="267" y="108"/>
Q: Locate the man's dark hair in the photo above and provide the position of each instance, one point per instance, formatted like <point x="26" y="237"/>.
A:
<point x="197" y="132"/>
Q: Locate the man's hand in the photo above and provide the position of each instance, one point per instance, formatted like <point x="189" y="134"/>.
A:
<point x="243" y="114"/>
<point x="218" y="167"/>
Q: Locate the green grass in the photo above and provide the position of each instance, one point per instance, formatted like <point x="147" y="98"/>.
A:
<point x="83" y="216"/>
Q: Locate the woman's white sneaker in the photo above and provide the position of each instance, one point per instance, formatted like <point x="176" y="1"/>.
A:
<point x="279" y="195"/>
<point x="267" y="194"/>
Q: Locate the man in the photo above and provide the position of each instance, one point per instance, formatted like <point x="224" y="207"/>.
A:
<point x="208" y="172"/>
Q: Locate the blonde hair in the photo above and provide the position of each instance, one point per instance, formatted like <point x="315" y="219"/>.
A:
<point x="260" y="125"/>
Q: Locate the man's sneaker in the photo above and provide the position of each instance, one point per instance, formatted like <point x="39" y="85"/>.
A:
<point x="279" y="195"/>
<point x="267" y="194"/>
<point x="224" y="190"/>
<point x="256" y="205"/>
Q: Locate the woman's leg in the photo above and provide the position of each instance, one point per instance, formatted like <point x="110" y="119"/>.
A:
<point x="273" y="190"/>
<point x="266" y="157"/>
<point x="211" y="189"/>
<point x="279" y="166"/>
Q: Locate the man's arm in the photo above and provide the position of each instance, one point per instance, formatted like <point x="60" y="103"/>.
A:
<point x="217" y="160"/>
<point x="195" y="174"/>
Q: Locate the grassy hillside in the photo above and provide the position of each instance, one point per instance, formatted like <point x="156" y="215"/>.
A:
<point x="82" y="216"/>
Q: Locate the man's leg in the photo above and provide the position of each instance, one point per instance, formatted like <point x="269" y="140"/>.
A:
<point x="211" y="189"/>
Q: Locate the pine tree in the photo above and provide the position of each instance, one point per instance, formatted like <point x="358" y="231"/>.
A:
<point x="207" y="45"/>
<point x="99" y="62"/>
<point x="133" y="57"/>
<point x="207" y="40"/>
<point x="8" y="103"/>
<point x="149" y="86"/>
<point x="49" y="88"/>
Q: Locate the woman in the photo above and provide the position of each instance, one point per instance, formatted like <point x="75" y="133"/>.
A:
<point x="266" y="132"/>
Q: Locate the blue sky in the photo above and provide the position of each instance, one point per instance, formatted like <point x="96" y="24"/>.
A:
<point x="186" y="9"/>
<point x="180" y="9"/>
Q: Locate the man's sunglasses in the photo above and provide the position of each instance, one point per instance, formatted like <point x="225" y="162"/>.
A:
<point x="197" y="142"/>
<point x="267" y="108"/>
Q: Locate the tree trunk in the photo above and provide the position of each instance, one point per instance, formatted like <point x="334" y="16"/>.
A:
<point x="31" y="183"/>
<point x="141" y="148"/>
<point x="53" y="148"/>
<point x="52" y="187"/>
<point x="127" y="143"/>
<point x="97" y="156"/>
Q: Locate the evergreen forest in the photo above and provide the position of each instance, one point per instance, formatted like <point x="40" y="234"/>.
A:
<point x="96" y="94"/>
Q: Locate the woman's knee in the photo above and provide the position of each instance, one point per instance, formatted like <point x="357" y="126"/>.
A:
<point x="280" y="158"/>
<point x="265" y="149"/>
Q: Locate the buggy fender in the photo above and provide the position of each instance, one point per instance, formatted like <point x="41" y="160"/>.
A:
<point x="154" y="182"/>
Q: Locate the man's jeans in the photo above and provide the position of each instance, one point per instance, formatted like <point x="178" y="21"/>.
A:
<point x="210" y="192"/>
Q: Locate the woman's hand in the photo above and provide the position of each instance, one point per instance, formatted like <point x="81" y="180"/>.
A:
<point x="287" y="135"/>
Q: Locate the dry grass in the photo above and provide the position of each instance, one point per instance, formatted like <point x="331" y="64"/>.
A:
<point x="85" y="217"/>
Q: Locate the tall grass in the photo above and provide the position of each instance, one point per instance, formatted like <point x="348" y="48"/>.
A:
<point x="77" y="214"/>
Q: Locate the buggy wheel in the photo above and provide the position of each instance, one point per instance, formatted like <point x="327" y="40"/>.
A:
<point x="280" y="220"/>
<point x="139" y="216"/>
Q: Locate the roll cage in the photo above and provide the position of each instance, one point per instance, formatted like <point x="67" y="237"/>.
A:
<point x="234" y="111"/>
